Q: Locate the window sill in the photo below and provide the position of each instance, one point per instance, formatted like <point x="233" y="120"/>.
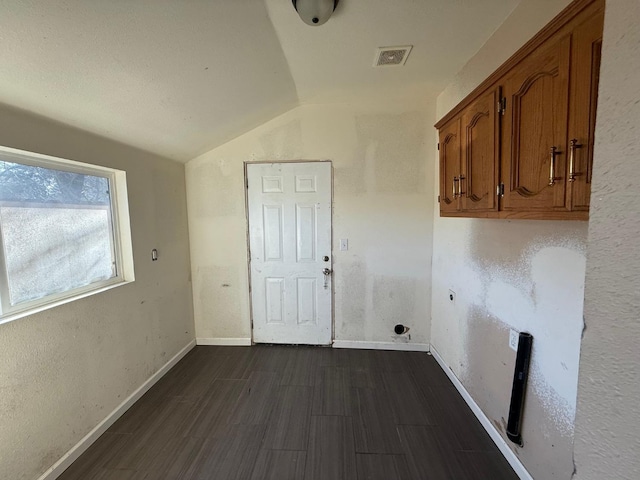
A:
<point x="66" y="298"/>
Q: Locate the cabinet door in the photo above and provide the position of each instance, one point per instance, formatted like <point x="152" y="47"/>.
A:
<point x="535" y="130"/>
<point x="585" y="70"/>
<point x="480" y="160"/>
<point x="450" y="143"/>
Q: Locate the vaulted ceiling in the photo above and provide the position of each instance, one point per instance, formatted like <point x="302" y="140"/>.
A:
<point x="179" y="77"/>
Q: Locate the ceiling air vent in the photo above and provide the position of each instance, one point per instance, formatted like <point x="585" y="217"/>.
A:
<point x="391" y="56"/>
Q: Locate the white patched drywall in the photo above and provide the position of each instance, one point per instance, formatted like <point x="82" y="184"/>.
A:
<point x="65" y="369"/>
<point x="383" y="203"/>
<point x="512" y="274"/>
<point x="607" y="441"/>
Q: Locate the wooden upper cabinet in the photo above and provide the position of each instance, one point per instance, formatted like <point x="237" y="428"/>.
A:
<point x="478" y="178"/>
<point x="450" y="145"/>
<point x="585" y="68"/>
<point x="468" y="159"/>
<point x="521" y="144"/>
<point x="537" y="105"/>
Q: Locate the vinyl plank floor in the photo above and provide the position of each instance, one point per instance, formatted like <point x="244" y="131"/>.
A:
<point x="303" y="413"/>
<point x="428" y="455"/>
<point x="363" y="369"/>
<point x="482" y="465"/>
<point x="91" y="462"/>
<point x="300" y="368"/>
<point x="279" y="465"/>
<point x="375" y="430"/>
<point x="382" y="467"/>
<point x="288" y="427"/>
<point x="424" y="366"/>
<point x="136" y="417"/>
<point x="406" y="400"/>
<point x="166" y="423"/>
<point x="452" y="410"/>
<point x="174" y="459"/>
<point x="120" y="475"/>
<point x="239" y="363"/>
<point x="331" y="454"/>
<point x="332" y="391"/>
<point x="257" y="399"/>
<point x="216" y="408"/>
<point x="397" y="362"/>
<point x="190" y="378"/>
<point x="273" y="358"/>
<point x="229" y="457"/>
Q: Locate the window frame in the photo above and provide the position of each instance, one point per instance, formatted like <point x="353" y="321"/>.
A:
<point x="120" y="233"/>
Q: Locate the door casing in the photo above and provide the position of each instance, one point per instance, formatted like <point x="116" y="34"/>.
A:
<point x="248" y="239"/>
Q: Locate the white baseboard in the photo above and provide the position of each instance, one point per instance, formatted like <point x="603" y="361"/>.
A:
<point x="233" y="342"/>
<point x="511" y="457"/>
<point x="405" y="347"/>
<point x="72" y="455"/>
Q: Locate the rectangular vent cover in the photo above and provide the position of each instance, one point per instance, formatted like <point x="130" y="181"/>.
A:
<point x="391" y="56"/>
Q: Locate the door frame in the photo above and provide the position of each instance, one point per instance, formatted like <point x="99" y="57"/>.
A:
<point x="246" y="213"/>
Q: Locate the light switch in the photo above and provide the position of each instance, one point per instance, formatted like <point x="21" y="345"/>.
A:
<point x="344" y="244"/>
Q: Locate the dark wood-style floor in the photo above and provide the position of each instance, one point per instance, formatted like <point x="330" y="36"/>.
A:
<point x="304" y="413"/>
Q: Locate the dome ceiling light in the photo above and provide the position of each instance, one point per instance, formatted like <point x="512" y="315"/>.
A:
<point x="315" y="12"/>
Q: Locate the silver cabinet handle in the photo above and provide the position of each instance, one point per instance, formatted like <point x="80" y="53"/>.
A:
<point x="573" y="144"/>
<point x="455" y="182"/>
<point x="552" y="166"/>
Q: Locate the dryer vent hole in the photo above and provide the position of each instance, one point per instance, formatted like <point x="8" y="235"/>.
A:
<point x="400" y="329"/>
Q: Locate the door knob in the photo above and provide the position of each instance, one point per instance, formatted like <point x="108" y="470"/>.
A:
<point x="326" y="271"/>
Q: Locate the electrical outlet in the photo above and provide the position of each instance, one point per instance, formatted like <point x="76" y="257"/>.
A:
<point x="452" y="296"/>
<point x="513" y="339"/>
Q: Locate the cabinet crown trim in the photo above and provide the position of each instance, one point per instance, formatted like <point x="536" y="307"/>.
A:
<point x="564" y="17"/>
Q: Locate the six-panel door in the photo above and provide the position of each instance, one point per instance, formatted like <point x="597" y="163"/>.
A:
<point x="290" y="241"/>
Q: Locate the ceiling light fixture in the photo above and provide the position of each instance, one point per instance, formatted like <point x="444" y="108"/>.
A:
<point x="315" y="12"/>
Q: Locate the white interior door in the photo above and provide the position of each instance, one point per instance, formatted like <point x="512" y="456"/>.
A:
<point x="290" y="243"/>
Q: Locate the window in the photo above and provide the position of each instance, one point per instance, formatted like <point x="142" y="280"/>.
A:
<point x="64" y="231"/>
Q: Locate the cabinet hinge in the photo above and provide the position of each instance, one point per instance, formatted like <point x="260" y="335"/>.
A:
<point x="438" y="198"/>
<point x="502" y="105"/>
<point x="438" y="145"/>
<point x="500" y="190"/>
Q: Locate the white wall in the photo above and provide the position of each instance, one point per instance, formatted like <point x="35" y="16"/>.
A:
<point x="607" y="442"/>
<point x="64" y="370"/>
<point x="383" y="203"/>
<point x="525" y="275"/>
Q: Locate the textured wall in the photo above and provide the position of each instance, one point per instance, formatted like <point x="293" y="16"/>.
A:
<point x="383" y="202"/>
<point x="65" y="369"/>
<point x="608" y="421"/>
<point x="525" y="275"/>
